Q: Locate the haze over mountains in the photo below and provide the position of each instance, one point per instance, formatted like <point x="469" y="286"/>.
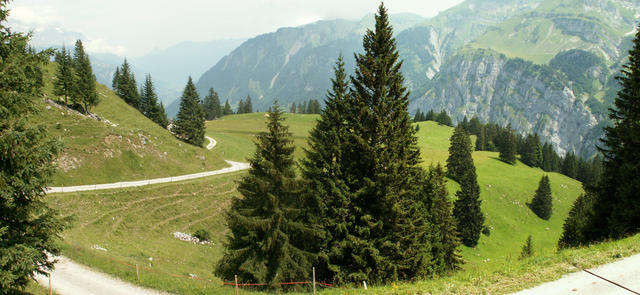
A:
<point x="543" y="66"/>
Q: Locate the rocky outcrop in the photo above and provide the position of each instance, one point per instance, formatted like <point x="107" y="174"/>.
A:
<point x="532" y="98"/>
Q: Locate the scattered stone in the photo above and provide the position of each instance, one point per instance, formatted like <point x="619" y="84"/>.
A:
<point x="189" y="238"/>
<point x="96" y="247"/>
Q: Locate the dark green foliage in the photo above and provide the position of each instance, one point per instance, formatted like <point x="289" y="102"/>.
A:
<point x="311" y="106"/>
<point x="116" y="77"/>
<point x="508" y="146"/>
<point x="149" y="104"/>
<point x="573" y="230"/>
<point x="459" y="161"/>
<point x="245" y="107"/>
<point x="576" y="64"/>
<point x="481" y="139"/>
<point x="293" y="108"/>
<point x="261" y="246"/>
<point x="227" y="109"/>
<point x="542" y="202"/>
<point x="570" y="165"/>
<point x="189" y="123"/>
<point x="467" y="208"/>
<point x="486" y="231"/>
<point x="444" y="119"/>
<point x="211" y="106"/>
<point x="430" y="116"/>
<point x="85" y="84"/>
<point x="28" y="228"/>
<point x="550" y="159"/>
<point x="126" y="86"/>
<point x="527" y="249"/>
<point x="203" y="235"/>
<point x="475" y="127"/>
<point x="531" y="154"/>
<point x="65" y="75"/>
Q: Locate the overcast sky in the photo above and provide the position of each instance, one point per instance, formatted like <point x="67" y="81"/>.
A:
<point x="134" y="27"/>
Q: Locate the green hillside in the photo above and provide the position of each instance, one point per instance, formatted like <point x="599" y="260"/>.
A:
<point x="138" y="223"/>
<point x="131" y="148"/>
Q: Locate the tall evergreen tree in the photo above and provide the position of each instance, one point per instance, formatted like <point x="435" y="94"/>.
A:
<point x="148" y="96"/>
<point x="475" y="126"/>
<point x="459" y="160"/>
<point x="241" y="108"/>
<point x="85" y="86"/>
<point x="65" y="75"/>
<point x="227" y="108"/>
<point x="532" y="151"/>
<point x="542" y="202"/>
<point x="126" y="86"/>
<point x="189" y="123"/>
<point x="29" y="229"/>
<point x="481" y="139"/>
<point x="570" y="165"/>
<point x="444" y="119"/>
<point x="431" y="116"/>
<point x="116" y="79"/>
<point x="248" y="106"/>
<point x="574" y="231"/>
<point x="508" y="146"/>
<point x="211" y="105"/>
<point x="261" y="246"/>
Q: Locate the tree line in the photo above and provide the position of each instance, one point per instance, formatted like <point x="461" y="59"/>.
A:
<point x="75" y="81"/>
<point x="441" y="118"/>
<point x="312" y="106"/>
<point x="362" y="208"/>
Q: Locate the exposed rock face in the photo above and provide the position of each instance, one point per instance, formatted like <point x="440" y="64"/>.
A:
<point x="532" y="98"/>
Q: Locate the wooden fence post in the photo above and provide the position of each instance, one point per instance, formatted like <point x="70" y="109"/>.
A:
<point x="137" y="273"/>
<point x="237" y="291"/>
<point x="314" y="280"/>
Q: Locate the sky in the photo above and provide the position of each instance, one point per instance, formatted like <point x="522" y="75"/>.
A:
<point x="135" y="27"/>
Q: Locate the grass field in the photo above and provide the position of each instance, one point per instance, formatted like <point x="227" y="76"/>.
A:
<point x="96" y="152"/>
<point x="135" y="224"/>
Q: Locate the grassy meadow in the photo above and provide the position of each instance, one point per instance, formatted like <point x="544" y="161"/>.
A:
<point x="135" y="224"/>
<point x="97" y="152"/>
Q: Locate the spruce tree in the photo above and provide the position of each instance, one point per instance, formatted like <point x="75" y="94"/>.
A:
<point x="542" y="202"/>
<point x="459" y="160"/>
<point x="532" y="151"/>
<point x="65" y="75"/>
<point x="211" y="105"/>
<point x="261" y="246"/>
<point x="148" y="97"/>
<point x="431" y="116"/>
<point x="116" y="78"/>
<point x="248" y="106"/>
<point x="570" y="165"/>
<point x="481" y="139"/>
<point x="467" y="209"/>
<point x="574" y="230"/>
<point x="527" y="249"/>
<point x="189" y="123"/>
<point x="508" y="146"/>
<point x="127" y="87"/>
<point x="85" y="85"/>
<point x="29" y="229"/>
<point x="159" y="115"/>
<point x="227" y="108"/>
<point x="327" y="198"/>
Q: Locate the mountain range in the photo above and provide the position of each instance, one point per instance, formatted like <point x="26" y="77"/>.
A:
<point x="544" y="66"/>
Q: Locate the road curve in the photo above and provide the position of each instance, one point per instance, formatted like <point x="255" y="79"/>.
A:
<point x="212" y="142"/>
<point x="625" y="272"/>
<point x="70" y="278"/>
<point x="235" y="166"/>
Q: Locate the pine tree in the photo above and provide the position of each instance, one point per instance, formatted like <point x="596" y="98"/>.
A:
<point x="527" y="249"/>
<point x="475" y="126"/>
<point x="211" y="105"/>
<point x="293" y="108"/>
<point x="574" y="228"/>
<point x="459" y="160"/>
<point x="116" y="79"/>
<point x="542" y="202"/>
<point x="240" y="109"/>
<point x="431" y="116"/>
<point x="481" y="139"/>
<point x="85" y="86"/>
<point x="508" y="146"/>
<point x="444" y="119"/>
<point x="532" y="151"/>
<point x="127" y="88"/>
<point x="227" y="109"/>
<point x="467" y="209"/>
<point x="570" y="165"/>
<point x="327" y="198"/>
<point x="189" y="123"/>
<point x="29" y="229"/>
<point x="248" y="106"/>
<point x="261" y="246"/>
<point x="65" y="75"/>
<point x="148" y="97"/>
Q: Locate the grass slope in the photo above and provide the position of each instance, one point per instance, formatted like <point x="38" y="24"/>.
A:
<point x="137" y="148"/>
<point x="135" y="224"/>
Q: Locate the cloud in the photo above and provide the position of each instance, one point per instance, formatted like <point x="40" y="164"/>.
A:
<point x="35" y="15"/>
<point x="101" y="46"/>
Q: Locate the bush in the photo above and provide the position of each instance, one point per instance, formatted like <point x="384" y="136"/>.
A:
<point x="203" y="235"/>
<point x="527" y="249"/>
<point x="486" y="231"/>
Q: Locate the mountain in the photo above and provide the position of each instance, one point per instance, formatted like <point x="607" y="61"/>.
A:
<point x="544" y="66"/>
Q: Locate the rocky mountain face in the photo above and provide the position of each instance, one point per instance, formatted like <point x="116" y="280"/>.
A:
<point x="544" y="66"/>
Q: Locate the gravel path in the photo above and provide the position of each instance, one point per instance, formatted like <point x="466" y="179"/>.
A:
<point x="70" y="278"/>
<point x="212" y="142"/>
<point x="625" y="272"/>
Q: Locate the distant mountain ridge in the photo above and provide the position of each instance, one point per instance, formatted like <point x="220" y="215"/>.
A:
<point x="490" y="58"/>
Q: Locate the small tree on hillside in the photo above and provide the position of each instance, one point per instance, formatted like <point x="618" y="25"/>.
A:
<point x="459" y="160"/>
<point x="85" y="86"/>
<point x="227" y="109"/>
<point x="542" y="202"/>
<point x="263" y="223"/>
<point x="573" y="230"/>
<point x="65" y="75"/>
<point x="126" y="86"/>
<point x="527" y="249"/>
<point x="29" y="229"/>
<point x="508" y="146"/>
<point x="189" y="123"/>
<point x="211" y="105"/>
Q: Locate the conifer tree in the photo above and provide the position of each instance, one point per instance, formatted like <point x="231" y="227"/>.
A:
<point x="85" y="85"/>
<point x="542" y="202"/>
<point x="127" y="88"/>
<point x="65" y="75"/>
<point x="227" y="108"/>
<point x="293" y="108"/>
<point x="575" y="226"/>
<point x="508" y="146"/>
<point x="467" y="209"/>
<point x="248" y="106"/>
<point x="116" y="78"/>
<point x="29" y="229"/>
<point x="459" y="160"/>
<point x="148" y="97"/>
<point x="211" y="105"/>
<point x="189" y="123"/>
<point x="475" y="126"/>
<point x="431" y="116"/>
<point x="444" y="119"/>
<point x="240" y="109"/>
<point x="570" y="165"/>
<point x="550" y="160"/>
<point x="527" y="249"/>
<point x="481" y="139"/>
<point x="532" y="151"/>
<point x="263" y="224"/>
